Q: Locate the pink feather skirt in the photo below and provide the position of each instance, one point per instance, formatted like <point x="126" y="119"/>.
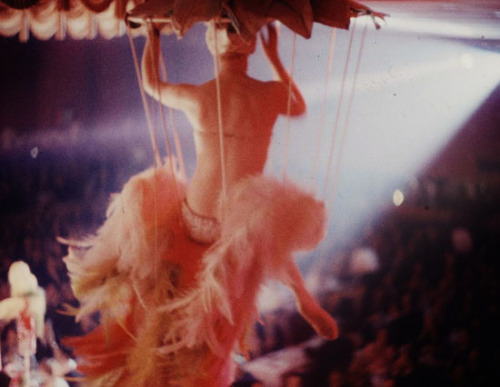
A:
<point x="172" y="310"/>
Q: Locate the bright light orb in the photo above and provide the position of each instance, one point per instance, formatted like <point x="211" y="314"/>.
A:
<point x="34" y="152"/>
<point x="398" y="197"/>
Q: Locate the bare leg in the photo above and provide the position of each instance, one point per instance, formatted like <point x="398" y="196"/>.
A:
<point x="27" y="366"/>
<point x="308" y="307"/>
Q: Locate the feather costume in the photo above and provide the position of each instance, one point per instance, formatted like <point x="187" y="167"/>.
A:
<point x="173" y="310"/>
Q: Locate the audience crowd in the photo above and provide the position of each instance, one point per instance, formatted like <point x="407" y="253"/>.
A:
<point x="425" y="315"/>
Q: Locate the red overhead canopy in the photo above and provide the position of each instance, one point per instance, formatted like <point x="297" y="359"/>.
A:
<point x="82" y="19"/>
<point x="248" y="16"/>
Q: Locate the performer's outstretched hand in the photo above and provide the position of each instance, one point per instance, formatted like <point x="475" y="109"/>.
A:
<point x="270" y="45"/>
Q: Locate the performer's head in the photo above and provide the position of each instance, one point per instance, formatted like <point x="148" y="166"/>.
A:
<point x="228" y="40"/>
<point x="21" y="281"/>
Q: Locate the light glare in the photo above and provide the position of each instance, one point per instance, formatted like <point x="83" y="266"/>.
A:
<point x="34" y="152"/>
<point x="467" y="61"/>
<point x="398" y="197"/>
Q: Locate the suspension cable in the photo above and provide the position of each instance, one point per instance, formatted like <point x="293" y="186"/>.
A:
<point x="347" y="120"/>
<point x="144" y="100"/>
<point x="219" y="116"/>
<point x="337" y="115"/>
<point x="165" y="134"/>
<point x="289" y="108"/>
<point x="323" y="107"/>
<point x="175" y="133"/>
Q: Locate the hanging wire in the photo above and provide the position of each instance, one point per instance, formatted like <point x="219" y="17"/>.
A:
<point x="288" y="109"/>
<point x="346" y="120"/>
<point x="159" y="107"/>
<point x="323" y="108"/>
<point x="158" y="163"/>
<point x="163" y="117"/>
<point x="165" y="134"/>
<point x="156" y="171"/>
<point x="175" y="133"/>
<point x="144" y="100"/>
<point x="164" y="124"/>
<point x="219" y="115"/>
<point x="337" y="115"/>
<point x="323" y="247"/>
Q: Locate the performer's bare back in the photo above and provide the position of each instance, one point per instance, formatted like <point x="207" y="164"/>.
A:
<point x="248" y="117"/>
<point x="248" y="110"/>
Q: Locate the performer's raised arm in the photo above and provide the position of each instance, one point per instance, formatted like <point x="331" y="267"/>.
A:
<point x="177" y="96"/>
<point x="270" y="47"/>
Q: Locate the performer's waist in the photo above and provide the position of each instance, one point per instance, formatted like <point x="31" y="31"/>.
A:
<point x="201" y="228"/>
